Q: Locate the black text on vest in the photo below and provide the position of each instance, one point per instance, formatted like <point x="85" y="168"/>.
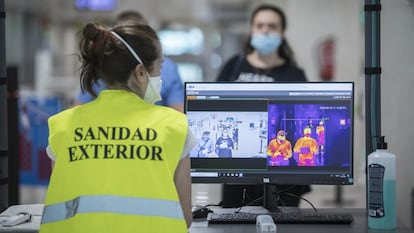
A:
<point x="114" y="133"/>
<point x="114" y="143"/>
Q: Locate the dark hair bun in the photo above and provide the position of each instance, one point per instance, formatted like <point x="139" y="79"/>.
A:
<point x="91" y="31"/>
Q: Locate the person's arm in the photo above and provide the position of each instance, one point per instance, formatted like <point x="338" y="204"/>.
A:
<point x="51" y="156"/>
<point x="85" y="97"/>
<point x="231" y="144"/>
<point x="289" y="149"/>
<point x="172" y="91"/>
<point x="82" y="97"/>
<point x="179" y="107"/>
<point x="229" y="72"/>
<point x="182" y="178"/>
<point x="210" y="146"/>
<point x="218" y="142"/>
<point x="182" y="181"/>
<point x="302" y="76"/>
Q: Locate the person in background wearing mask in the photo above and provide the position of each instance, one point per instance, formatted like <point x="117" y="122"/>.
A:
<point x="306" y="148"/>
<point x="204" y="147"/>
<point x="119" y="165"/>
<point x="172" y="89"/>
<point x="279" y="150"/>
<point x="224" y="145"/>
<point x="267" y="57"/>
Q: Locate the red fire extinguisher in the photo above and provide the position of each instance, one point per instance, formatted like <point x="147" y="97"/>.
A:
<point x="327" y="59"/>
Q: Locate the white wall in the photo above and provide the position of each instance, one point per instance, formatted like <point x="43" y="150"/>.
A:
<point x="309" y="21"/>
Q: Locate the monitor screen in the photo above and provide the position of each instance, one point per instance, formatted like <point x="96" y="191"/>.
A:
<point x="271" y="133"/>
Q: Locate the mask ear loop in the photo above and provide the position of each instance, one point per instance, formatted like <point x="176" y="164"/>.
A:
<point x="130" y="50"/>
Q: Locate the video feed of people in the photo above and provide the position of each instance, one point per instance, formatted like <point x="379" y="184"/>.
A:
<point x="309" y="135"/>
<point x="229" y="134"/>
<point x="287" y="134"/>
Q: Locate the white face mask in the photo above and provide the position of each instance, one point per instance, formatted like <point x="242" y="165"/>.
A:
<point x="152" y="93"/>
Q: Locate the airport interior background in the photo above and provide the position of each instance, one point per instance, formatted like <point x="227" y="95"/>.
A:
<point x="200" y="35"/>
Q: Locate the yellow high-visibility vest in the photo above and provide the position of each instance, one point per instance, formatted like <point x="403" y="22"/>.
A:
<point x="114" y="170"/>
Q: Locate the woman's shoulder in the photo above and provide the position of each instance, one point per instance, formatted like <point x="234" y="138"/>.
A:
<point x="294" y="72"/>
<point x="290" y="67"/>
<point x="167" y="112"/>
<point x="64" y="115"/>
<point x="231" y="68"/>
<point x="235" y="60"/>
<point x="236" y="57"/>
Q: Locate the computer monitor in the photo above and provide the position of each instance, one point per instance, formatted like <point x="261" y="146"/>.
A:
<point x="271" y="133"/>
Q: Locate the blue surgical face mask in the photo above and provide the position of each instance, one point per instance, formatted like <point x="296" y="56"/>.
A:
<point x="266" y="44"/>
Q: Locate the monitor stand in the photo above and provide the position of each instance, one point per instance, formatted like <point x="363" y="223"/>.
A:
<point x="271" y="201"/>
<point x="237" y="195"/>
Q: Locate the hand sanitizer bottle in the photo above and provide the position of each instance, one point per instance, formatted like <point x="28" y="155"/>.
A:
<point x="381" y="188"/>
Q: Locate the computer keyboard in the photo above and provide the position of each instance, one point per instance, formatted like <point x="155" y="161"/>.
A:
<point x="280" y="218"/>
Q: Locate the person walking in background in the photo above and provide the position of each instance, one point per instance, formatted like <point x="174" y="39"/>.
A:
<point x="172" y="89"/>
<point x="204" y="147"/>
<point x="119" y="164"/>
<point x="320" y="133"/>
<point x="267" y="57"/>
<point x="224" y="145"/>
<point x="306" y="148"/>
<point x="279" y="150"/>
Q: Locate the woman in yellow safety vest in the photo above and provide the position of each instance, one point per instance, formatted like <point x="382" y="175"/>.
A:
<point x="120" y="163"/>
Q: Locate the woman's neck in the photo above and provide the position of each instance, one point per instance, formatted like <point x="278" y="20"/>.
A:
<point x="264" y="61"/>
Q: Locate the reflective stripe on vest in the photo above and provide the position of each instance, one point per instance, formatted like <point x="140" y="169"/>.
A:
<point x="112" y="204"/>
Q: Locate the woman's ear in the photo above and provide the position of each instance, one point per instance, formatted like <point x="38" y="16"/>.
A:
<point x="140" y="73"/>
<point x="138" y="81"/>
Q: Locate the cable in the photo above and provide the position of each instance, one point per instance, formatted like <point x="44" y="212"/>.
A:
<point x="243" y="200"/>
<point x="244" y="196"/>
<point x="284" y="190"/>
<point x="310" y="203"/>
<point x="278" y="198"/>
<point x="255" y="200"/>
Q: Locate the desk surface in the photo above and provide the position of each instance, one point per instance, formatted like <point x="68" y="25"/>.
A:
<point x="358" y="226"/>
<point x="35" y="210"/>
